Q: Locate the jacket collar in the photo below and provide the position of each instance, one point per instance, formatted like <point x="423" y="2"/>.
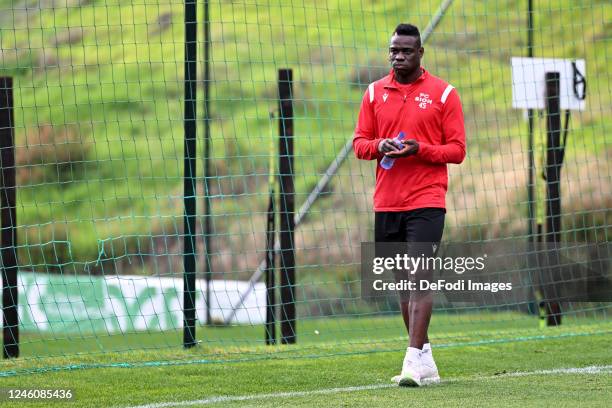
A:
<point x="389" y="80"/>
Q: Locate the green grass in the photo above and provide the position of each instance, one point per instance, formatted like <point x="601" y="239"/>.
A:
<point x="472" y="376"/>
<point x="317" y="337"/>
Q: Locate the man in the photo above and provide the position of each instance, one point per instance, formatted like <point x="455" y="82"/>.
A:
<point x="409" y="198"/>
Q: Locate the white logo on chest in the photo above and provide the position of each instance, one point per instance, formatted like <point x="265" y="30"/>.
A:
<point x="385" y="96"/>
<point x="423" y="100"/>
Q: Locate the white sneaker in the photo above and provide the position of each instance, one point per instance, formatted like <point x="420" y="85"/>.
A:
<point x="418" y="373"/>
<point x="396" y="378"/>
<point x="411" y="370"/>
<point x="429" y="374"/>
<point x="411" y="375"/>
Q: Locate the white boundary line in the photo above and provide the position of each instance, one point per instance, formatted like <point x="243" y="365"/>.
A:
<point x="607" y="369"/>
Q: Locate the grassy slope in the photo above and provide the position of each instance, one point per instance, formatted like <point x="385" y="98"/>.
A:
<point x="118" y="88"/>
<point x="464" y="365"/>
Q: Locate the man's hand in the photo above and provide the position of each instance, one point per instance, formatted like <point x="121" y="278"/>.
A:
<point x="388" y="145"/>
<point x="411" y="147"/>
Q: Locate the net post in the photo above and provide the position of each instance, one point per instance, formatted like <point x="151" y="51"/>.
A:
<point x="270" y="279"/>
<point x="287" y="206"/>
<point x="8" y="253"/>
<point x="553" y="179"/>
<point x="531" y="160"/>
<point x="189" y="178"/>
<point x="270" y="267"/>
<point x="533" y="227"/>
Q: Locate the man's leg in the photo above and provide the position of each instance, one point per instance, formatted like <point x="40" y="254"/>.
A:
<point x="424" y="226"/>
<point x="405" y="306"/>
<point x="388" y="228"/>
<point x="419" y="315"/>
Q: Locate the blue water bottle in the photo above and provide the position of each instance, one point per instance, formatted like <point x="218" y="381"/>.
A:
<point x="387" y="162"/>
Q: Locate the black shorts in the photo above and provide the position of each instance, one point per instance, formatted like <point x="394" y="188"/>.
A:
<point x="421" y="225"/>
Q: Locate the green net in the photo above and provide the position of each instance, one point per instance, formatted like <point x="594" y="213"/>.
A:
<point x="99" y="108"/>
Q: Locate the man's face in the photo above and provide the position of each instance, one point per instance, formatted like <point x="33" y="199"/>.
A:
<point x="405" y="54"/>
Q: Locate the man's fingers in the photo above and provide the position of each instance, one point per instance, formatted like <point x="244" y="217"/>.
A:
<point x="395" y="145"/>
<point x="385" y="146"/>
<point x="397" y="153"/>
<point x="389" y="146"/>
<point x="406" y="151"/>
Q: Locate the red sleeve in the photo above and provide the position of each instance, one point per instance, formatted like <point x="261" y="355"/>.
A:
<point x="453" y="130"/>
<point x="365" y="142"/>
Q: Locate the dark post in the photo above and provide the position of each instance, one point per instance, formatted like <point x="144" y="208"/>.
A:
<point x="270" y="267"/>
<point x="531" y="165"/>
<point x="9" y="222"/>
<point x="553" y="178"/>
<point x="189" y="247"/>
<point x="207" y="207"/>
<point x="553" y="157"/>
<point x="532" y="225"/>
<point x="287" y="206"/>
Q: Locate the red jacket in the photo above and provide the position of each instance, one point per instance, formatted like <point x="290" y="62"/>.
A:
<point x="428" y="110"/>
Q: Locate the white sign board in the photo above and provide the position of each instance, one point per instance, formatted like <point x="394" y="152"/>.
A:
<point x="529" y="86"/>
<point x="120" y="304"/>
